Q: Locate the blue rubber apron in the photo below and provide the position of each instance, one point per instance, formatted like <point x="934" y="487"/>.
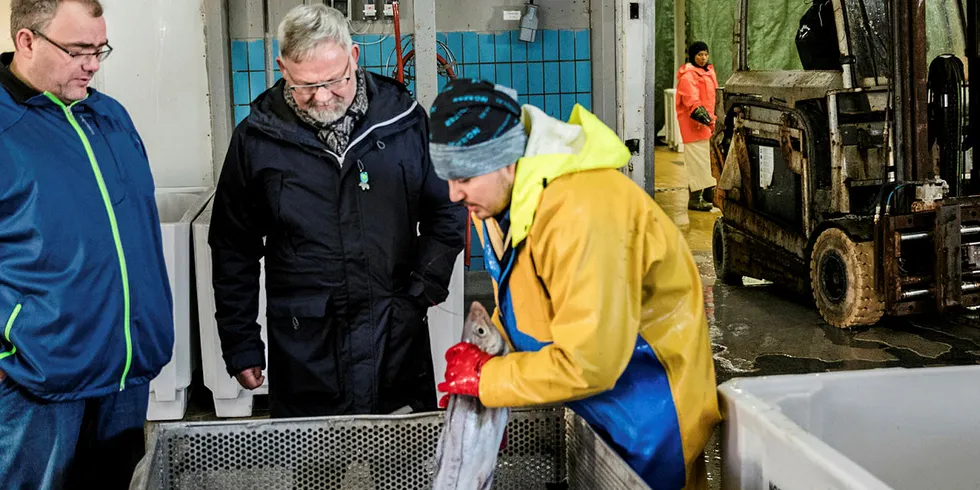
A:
<point x="637" y="418"/>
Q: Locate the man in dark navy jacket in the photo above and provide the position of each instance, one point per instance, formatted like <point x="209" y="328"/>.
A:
<point x="329" y="179"/>
<point x="85" y="307"/>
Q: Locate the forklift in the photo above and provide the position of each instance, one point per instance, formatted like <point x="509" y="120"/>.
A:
<point x="853" y="180"/>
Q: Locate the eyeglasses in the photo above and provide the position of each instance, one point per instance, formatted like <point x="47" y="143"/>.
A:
<point x="82" y="57"/>
<point x="311" y="89"/>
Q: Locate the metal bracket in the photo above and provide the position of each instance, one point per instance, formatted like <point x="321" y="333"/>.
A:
<point x="949" y="266"/>
<point x="633" y="145"/>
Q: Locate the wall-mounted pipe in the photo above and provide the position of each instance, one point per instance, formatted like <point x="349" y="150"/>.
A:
<point x="267" y="35"/>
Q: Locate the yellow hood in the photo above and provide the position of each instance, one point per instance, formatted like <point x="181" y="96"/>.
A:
<point x="556" y="148"/>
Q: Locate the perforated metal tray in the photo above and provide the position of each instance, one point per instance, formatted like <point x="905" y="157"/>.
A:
<point x="544" y="447"/>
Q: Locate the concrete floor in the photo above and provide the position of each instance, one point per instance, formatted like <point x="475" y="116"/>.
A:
<point x="757" y="329"/>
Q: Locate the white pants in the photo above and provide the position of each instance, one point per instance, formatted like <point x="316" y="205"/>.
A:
<point x="697" y="159"/>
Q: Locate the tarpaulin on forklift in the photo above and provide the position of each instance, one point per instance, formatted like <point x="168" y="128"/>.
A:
<point x="772" y="30"/>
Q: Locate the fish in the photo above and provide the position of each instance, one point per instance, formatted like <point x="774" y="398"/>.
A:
<point x="466" y="455"/>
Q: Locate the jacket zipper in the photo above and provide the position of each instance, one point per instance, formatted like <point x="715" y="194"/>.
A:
<point x="6" y="332"/>
<point x="340" y="158"/>
<point x="114" y="225"/>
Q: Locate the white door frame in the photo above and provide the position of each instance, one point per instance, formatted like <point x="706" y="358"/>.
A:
<point x="632" y="59"/>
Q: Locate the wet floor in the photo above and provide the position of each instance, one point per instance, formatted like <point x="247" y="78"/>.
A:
<point x="759" y="330"/>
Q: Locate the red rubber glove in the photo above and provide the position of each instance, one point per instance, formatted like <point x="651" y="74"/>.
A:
<point x="463" y="364"/>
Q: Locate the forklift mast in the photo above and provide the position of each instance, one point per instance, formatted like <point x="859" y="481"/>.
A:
<point x="911" y="91"/>
<point x="911" y="86"/>
<point x="973" y="58"/>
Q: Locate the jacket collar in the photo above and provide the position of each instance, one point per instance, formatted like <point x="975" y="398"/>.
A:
<point x="20" y="91"/>
<point x="272" y="115"/>
<point x="26" y="96"/>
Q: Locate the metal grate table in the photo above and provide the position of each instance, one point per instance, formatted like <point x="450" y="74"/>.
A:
<point x="545" y="447"/>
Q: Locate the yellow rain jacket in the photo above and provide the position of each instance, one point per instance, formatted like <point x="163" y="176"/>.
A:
<point x="599" y="296"/>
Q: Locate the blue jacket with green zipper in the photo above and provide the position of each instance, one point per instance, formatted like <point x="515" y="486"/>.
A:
<point x="85" y="304"/>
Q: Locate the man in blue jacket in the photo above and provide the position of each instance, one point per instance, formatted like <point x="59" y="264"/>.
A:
<point x="331" y="168"/>
<point x="85" y="308"/>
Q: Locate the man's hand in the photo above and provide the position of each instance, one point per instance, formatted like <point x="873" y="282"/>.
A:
<point x="251" y="378"/>
<point x="3" y="375"/>
<point x="463" y="364"/>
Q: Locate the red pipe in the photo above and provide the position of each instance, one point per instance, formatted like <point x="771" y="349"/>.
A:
<point x="400" y="76"/>
<point x="409" y="56"/>
<point x="400" y="66"/>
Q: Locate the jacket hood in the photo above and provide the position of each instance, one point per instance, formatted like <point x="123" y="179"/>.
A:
<point x="554" y="149"/>
<point x="701" y="72"/>
<point x="271" y="114"/>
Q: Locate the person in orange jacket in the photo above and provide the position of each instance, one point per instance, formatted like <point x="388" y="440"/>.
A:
<point x="695" y="106"/>
<point x="597" y="292"/>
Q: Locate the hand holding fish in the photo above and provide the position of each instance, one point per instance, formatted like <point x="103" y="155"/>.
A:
<point x="473" y="434"/>
<point x="463" y="363"/>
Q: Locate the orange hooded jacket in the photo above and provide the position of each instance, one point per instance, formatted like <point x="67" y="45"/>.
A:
<point x="695" y="87"/>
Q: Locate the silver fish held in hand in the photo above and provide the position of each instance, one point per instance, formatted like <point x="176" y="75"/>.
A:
<point x="471" y="437"/>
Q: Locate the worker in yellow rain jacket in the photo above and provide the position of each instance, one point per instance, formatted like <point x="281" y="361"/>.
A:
<point x="596" y="290"/>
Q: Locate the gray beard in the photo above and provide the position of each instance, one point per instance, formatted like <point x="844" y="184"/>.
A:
<point x="327" y="116"/>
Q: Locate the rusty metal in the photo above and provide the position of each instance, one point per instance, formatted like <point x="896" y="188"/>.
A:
<point x="793" y="157"/>
<point x="920" y="206"/>
<point x="740" y="46"/>
<point x="717" y="165"/>
<point x="915" y="280"/>
<point x="891" y="247"/>
<point x="840" y="198"/>
<point x="740" y="152"/>
<point x="915" y="293"/>
<point x="752" y="257"/>
<point x="766" y="230"/>
<point x="973" y="51"/>
<point x="949" y="264"/>
<point x="911" y="97"/>
<point x="901" y="87"/>
<point x="948" y="286"/>
<point x="776" y="117"/>
<point x="844" y="46"/>
<point x="785" y="87"/>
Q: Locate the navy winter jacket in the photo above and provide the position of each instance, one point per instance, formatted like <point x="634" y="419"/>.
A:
<point x="350" y="270"/>
<point x="85" y="304"/>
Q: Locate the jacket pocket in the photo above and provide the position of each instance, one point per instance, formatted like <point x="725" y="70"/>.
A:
<point x="128" y="167"/>
<point x="7" y="348"/>
<point x="407" y="361"/>
<point x="305" y="345"/>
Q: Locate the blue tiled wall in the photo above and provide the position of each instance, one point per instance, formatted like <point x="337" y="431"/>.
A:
<point x="553" y="73"/>
<point x="248" y="72"/>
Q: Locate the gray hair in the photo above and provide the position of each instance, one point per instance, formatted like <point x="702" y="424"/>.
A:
<point x="306" y="27"/>
<point x="35" y="15"/>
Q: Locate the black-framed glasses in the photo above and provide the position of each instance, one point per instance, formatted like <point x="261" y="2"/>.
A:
<point x="310" y="89"/>
<point x="99" y="55"/>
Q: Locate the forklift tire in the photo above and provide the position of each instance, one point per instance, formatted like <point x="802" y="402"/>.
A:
<point x="842" y="278"/>
<point x="720" y="251"/>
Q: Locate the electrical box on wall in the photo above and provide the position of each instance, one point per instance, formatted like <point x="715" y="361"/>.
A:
<point x="370" y="10"/>
<point x="529" y="23"/>
<point x="389" y="11"/>
<point x="342" y="5"/>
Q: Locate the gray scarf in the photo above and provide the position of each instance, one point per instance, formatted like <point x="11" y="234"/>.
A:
<point x="336" y="135"/>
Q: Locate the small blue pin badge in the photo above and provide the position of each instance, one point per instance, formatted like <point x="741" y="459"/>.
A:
<point x="364" y="185"/>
